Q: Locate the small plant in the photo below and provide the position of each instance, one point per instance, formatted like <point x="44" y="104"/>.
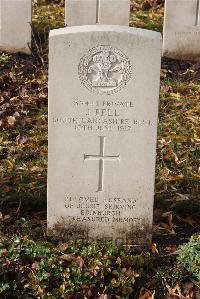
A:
<point x="172" y="275"/>
<point x="4" y="58"/>
<point x="189" y="256"/>
<point x="45" y="270"/>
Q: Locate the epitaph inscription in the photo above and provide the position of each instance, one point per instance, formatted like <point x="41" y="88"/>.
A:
<point x="104" y="70"/>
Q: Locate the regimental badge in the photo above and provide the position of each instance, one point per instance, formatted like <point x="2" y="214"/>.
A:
<point x="105" y="70"/>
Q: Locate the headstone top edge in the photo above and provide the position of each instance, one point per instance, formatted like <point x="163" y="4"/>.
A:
<point x="107" y="28"/>
<point x="94" y="0"/>
<point x="30" y="1"/>
<point x="180" y="1"/>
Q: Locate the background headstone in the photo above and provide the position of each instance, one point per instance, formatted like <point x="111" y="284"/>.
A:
<point x="15" y="28"/>
<point x="114" y="12"/>
<point x="181" y="36"/>
<point x="91" y="12"/>
<point x="103" y="109"/>
<point x="80" y="12"/>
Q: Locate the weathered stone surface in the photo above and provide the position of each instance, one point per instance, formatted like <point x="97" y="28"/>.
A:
<point x="15" y="28"/>
<point x="80" y="12"/>
<point x="91" y="12"/>
<point x="181" y="38"/>
<point x="114" y="12"/>
<point x="103" y="109"/>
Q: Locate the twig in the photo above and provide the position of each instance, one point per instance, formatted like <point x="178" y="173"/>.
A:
<point x="19" y="206"/>
<point x="39" y="52"/>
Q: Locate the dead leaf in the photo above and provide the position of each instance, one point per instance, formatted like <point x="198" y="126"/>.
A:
<point x="11" y="120"/>
<point x="176" y="291"/>
<point x="174" y="95"/>
<point x="146" y="294"/>
<point x="40" y="292"/>
<point x="68" y="257"/>
<point x="62" y="287"/>
<point x="118" y="261"/>
<point x="21" y="139"/>
<point x="113" y="281"/>
<point x="183" y="196"/>
<point x="63" y="246"/>
<point x="128" y="272"/>
<point x="154" y="248"/>
<point x="103" y="296"/>
<point x="84" y="286"/>
<point x="89" y="293"/>
<point x="35" y="265"/>
<point x="36" y="169"/>
<point x="187" y="220"/>
<point x="157" y="215"/>
<point x="96" y="271"/>
<point x="79" y="261"/>
<point x="187" y="287"/>
<point x="169" y="215"/>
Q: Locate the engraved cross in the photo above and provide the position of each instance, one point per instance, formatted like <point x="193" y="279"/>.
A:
<point x="101" y="158"/>
<point x="197" y="22"/>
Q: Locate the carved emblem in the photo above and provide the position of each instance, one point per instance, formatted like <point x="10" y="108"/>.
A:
<point x="104" y="70"/>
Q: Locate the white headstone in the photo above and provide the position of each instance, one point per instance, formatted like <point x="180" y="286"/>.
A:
<point x="103" y="109"/>
<point x="181" y="38"/>
<point x="91" y="12"/>
<point x="15" y="28"/>
<point x="80" y="12"/>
